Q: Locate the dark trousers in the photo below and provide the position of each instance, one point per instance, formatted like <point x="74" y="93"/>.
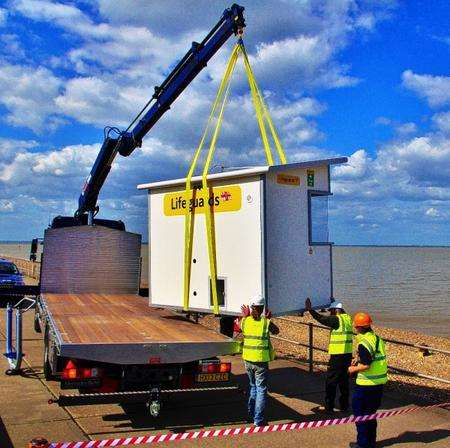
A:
<point x="366" y="400"/>
<point x="337" y="375"/>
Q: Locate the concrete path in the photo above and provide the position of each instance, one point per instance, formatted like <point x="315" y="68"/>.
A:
<point x="24" y="411"/>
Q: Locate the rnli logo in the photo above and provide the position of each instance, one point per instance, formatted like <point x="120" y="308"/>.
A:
<point x="226" y="196"/>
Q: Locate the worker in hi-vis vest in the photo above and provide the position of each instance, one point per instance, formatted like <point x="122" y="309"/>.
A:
<point x="340" y="350"/>
<point x="257" y="351"/>
<point x="371" y="373"/>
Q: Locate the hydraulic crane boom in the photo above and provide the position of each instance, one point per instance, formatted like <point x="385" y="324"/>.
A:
<point x="232" y="22"/>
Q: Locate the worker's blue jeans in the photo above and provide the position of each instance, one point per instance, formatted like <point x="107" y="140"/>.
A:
<point x="257" y="375"/>
<point x="366" y="400"/>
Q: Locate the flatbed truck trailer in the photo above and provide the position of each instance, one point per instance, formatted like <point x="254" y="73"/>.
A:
<point x="115" y="348"/>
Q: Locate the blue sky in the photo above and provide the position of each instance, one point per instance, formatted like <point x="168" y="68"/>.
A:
<point x="366" y="79"/>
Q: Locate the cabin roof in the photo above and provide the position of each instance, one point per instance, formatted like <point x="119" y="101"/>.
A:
<point x="245" y="172"/>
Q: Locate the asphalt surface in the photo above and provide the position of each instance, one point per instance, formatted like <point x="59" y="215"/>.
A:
<point x="295" y="393"/>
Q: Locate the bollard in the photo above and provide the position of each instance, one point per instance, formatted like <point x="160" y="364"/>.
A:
<point x="18" y="338"/>
<point x="38" y="442"/>
<point x="9" y="337"/>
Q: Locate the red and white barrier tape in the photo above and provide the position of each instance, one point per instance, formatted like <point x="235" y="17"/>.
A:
<point x="211" y="433"/>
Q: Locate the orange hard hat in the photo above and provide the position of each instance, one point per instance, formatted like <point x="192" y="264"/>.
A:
<point x="362" y="320"/>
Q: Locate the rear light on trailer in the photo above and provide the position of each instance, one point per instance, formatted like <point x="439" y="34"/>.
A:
<point x="225" y="367"/>
<point x="72" y="372"/>
<point x="187" y="380"/>
<point x="214" y="367"/>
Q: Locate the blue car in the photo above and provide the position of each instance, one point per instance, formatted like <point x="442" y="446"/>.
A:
<point x="9" y="276"/>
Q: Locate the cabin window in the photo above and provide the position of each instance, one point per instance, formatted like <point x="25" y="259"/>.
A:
<point x="220" y="292"/>
<point x="318" y="218"/>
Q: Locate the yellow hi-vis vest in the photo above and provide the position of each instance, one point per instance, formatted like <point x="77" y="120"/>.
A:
<point x="341" y="340"/>
<point x="377" y="372"/>
<point x="257" y="346"/>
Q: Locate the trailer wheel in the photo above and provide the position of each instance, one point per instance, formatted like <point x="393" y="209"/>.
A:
<point x="48" y="374"/>
<point x="37" y="323"/>
<point x="154" y="408"/>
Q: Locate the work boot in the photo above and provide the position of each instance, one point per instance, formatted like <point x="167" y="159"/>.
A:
<point x="324" y="409"/>
<point x="343" y="406"/>
<point x="353" y="445"/>
<point x="263" y="423"/>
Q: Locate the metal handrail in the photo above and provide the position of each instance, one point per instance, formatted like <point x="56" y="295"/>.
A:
<point x="420" y="375"/>
<point x="311" y="348"/>
<point x="290" y="341"/>
<point x="303" y="323"/>
<point x="392" y="341"/>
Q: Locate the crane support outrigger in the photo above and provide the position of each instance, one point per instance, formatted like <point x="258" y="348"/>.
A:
<point x="231" y="22"/>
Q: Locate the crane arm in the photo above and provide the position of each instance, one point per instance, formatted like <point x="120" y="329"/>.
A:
<point x="231" y="22"/>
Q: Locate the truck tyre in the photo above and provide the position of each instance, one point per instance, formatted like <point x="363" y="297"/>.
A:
<point x="48" y="374"/>
<point x="37" y="323"/>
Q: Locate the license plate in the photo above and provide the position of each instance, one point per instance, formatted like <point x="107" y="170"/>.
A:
<point x="80" y="384"/>
<point x="205" y="377"/>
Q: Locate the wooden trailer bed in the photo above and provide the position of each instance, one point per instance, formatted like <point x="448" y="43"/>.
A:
<point x="122" y="328"/>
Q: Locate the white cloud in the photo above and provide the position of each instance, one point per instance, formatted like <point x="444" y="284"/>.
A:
<point x="30" y="171"/>
<point x="432" y="212"/>
<point x="10" y="147"/>
<point x="384" y="121"/>
<point x="405" y="129"/>
<point x="123" y="56"/>
<point x="123" y="49"/>
<point x="425" y="160"/>
<point x="413" y="169"/>
<point x="28" y="94"/>
<point x="11" y="46"/>
<point x="401" y="129"/>
<point x="366" y="21"/>
<point x="435" y="89"/>
<point x="356" y="167"/>
<point x="66" y="16"/>
<point x="442" y="121"/>
<point x="302" y="107"/>
<point x="6" y="206"/>
<point x="3" y="16"/>
<point x="304" y="61"/>
<point x="95" y="101"/>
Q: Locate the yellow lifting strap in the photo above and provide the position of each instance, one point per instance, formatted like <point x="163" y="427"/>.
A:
<point x="207" y="192"/>
<point x="262" y="112"/>
<point x="190" y="193"/>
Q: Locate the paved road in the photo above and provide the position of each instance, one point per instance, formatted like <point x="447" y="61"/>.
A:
<point x="294" y="394"/>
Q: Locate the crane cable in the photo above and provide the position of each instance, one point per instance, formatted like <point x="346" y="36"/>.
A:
<point x="207" y="192"/>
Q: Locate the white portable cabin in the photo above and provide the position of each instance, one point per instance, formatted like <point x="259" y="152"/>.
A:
<point x="271" y="227"/>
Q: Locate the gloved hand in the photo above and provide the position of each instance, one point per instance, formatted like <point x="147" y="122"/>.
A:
<point x="245" y="310"/>
<point x="268" y="314"/>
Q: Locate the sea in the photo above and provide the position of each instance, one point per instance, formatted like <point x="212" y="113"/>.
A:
<point x="401" y="287"/>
